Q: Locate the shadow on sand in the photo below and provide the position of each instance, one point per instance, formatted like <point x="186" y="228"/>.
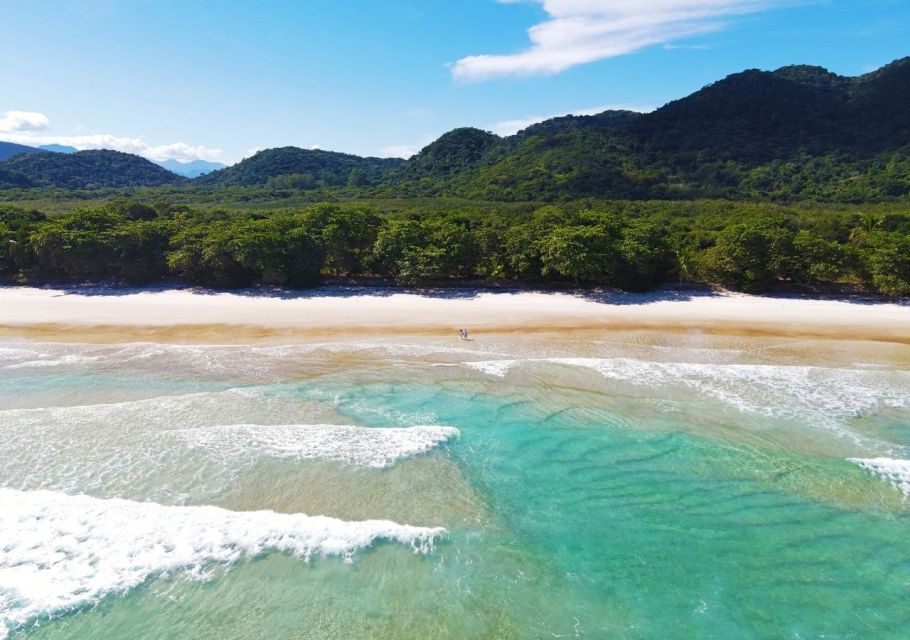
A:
<point x="602" y="296"/>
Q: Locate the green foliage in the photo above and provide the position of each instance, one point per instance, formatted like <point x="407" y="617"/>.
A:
<point x="346" y="235"/>
<point x="646" y="258"/>
<point x="751" y="256"/>
<point x="629" y="245"/>
<point x="97" y="244"/>
<point x="415" y="253"/>
<point x="231" y="254"/>
<point x="887" y="262"/>
<point x="583" y="254"/>
<point x="816" y="259"/>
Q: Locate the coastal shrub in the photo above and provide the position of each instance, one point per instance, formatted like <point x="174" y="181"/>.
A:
<point x="887" y="263"/>
<point x="209" y="255"/>
<point x="76" y="245"/>
<point x="347" y="236"/>
<point x="816" y="260"/>
<point x="582" y="254"/>
<point x="750" y="256"/>
<point x="646" y="259"/>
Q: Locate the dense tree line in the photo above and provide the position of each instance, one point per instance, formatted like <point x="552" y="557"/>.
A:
<point x="624" y="247"/>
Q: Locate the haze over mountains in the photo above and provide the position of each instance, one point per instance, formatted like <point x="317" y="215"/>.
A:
<point x="191" y="169"/>
<point x="798" y="132"/>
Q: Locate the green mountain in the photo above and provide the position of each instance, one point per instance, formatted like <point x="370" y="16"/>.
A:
<point x="796" y="132"/>
<point x="291" y="167"/>
<point x="90" y="170"/>
<point x="10" y="149"/>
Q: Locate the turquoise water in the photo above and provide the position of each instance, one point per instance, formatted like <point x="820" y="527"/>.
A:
<point x="603" y="492"/>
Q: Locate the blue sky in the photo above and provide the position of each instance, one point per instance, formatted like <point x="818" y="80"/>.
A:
<point x="210" y="80"/>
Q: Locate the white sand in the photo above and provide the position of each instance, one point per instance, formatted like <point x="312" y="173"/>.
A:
<point x="22" y="307"/>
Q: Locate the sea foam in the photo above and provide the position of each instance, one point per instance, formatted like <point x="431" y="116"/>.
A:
<point x="252" y="360"/>
<point x="820" y="395"/>
<point x="359" y="446"/>
<point x="894" y="471"/>
<point x="59" y="552"/>
<point x="498" y="368"/>
<point x="175" y="449"/>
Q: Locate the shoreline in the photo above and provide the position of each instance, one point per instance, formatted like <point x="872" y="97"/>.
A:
<point x="183" y="314"/>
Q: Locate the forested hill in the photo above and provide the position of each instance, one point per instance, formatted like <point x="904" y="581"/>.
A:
<point x="292" y="167"/>
<point x="798" y="132"/>
<point x="85" y="170"/>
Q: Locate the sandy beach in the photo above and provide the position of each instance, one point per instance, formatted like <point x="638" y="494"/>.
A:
<point x="186" y="315"/>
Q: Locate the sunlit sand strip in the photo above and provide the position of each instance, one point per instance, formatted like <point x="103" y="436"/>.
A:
<point x="184" y="315"/>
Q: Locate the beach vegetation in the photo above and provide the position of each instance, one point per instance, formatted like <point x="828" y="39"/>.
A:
<point x="630" y="245"/>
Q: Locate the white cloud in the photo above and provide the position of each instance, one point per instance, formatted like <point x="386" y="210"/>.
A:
<point x="175" y="151"/>
<point x="511" y="127"/>
<point x="23" y="127"/>
<point x="399" y="151"/>
<point x="15" y="121"/>
<point x="582" y="31"/>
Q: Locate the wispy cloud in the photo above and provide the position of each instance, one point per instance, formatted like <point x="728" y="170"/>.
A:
<point x="511" y="127"/>
<point x="399" y="151"/>
<point x="582" y="31"/>
<point x="28" y="127"/>
<point x="16" y="121"/>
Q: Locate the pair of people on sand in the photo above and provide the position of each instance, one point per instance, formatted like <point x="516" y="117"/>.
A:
<point x="463" y="333"/>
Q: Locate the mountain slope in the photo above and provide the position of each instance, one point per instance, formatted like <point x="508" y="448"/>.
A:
<point x="301" y="168"/>
<point x="13" y="180"/>
<point x="10" y="149"/>
<point x="797" y="132"/>
<point x="90" y="170"/>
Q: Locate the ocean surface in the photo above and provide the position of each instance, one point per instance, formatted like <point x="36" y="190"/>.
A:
<point x="632" y="485"/>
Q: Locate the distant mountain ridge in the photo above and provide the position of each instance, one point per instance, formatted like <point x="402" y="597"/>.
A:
<point x="800" y="132"/>
<point x="58" y="148"/>
<point x="10" y="149"/>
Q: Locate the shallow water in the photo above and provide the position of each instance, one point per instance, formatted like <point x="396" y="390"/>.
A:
<point x="633" y="485"/>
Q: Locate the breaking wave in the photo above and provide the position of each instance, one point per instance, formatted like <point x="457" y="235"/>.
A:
<point x="60" y="552"/>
